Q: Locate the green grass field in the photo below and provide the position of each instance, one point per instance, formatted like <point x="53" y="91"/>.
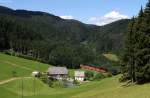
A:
<point x="22" y="67"/>
<point x="111" y="57"/>
<point x="106" y="88"/>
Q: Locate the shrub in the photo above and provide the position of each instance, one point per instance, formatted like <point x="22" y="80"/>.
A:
<point x="9" y="52"/>
<point x="57" y="84"/>
<point x="14" y="73"/>
<point x="124" y="78"/>
<point x="89" y="75"/>
<point x="76" y="82"/>
<point x="107" y="75"/>
<point x="98" y="76"/>
<point x="26" y="57"/>
<point x="44" y="78"/>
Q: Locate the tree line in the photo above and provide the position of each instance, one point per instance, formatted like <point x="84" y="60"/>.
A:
<point x="50" y="39"/>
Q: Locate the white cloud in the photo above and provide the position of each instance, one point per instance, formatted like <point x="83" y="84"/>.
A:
<point x="67" y="17"/>
<point x="107" y="18"/>
<point x="6" y="1"/>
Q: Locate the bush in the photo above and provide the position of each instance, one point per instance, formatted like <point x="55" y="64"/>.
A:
<point x="76" y="82"/>
<point x="89" y="75"/>
<point x="114" y="71"/>
<point x="9" y="52"/>
<point x="46" y="80"/>
<point x="14" y="73"/>
<point x="52" y="82"/>
<point x="58" y="84"/>
<point x="26" y="57"/>
<point x="124" y="78"/>
<point x="99" y="76"/>
<point x="107" y="75"/>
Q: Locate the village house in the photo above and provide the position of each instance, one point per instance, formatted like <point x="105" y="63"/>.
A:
<point x="79" y="75"/>
<point x="58" y="73"/>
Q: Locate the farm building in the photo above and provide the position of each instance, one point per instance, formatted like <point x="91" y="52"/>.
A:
<point x="79" y="75"/>
<point x="58" y="73"/>
<point x="35" y="73"/>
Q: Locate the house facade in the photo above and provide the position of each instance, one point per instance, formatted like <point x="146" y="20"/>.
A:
<point x="58" y="73"/>
<point x="79" y="75"/>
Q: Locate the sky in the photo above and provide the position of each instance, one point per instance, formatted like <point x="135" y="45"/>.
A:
<point x="98" y="12"/>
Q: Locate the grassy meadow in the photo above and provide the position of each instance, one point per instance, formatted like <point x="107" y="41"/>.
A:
<point x="22" y="67"/>
<point x="106" y="88"/>
<point x="111" y="57"/>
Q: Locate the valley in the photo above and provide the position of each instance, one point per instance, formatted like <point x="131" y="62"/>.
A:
<point x="106" y="88"/>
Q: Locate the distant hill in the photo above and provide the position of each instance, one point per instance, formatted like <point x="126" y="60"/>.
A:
<point x="57" y="41"/>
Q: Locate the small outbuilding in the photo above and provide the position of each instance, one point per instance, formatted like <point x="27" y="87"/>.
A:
<point x="58" y="73"/>
<point x="35" y="73"/>
<point x="79" y="75"/>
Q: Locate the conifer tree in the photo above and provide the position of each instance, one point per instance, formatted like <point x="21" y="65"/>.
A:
<point x="128" y="54"/>
<point x="143" y="46"/>
<point x="137" y="48"/>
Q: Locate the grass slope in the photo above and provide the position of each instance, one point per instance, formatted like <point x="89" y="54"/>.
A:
<point x="111" y="57"/>
<point x="106" y="88"/>
<point x="21" y="66"/>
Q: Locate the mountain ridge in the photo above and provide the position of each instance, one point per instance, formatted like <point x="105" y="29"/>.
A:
<point x="50" y="38"/>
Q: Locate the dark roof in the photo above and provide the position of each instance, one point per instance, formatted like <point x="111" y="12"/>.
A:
<point x="57" y="70"/>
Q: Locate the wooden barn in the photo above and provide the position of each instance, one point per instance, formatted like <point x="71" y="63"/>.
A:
<point x="58" y="73"/>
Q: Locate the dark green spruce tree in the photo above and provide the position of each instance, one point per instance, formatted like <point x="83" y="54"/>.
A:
<point x="143" y="47"/>
<point x="128" y="54"/>
<point x="136" y="57"/>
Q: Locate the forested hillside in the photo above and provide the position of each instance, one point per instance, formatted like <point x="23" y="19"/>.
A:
<point x="50" y="39"/>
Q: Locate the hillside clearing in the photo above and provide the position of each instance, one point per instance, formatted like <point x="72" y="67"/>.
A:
<point x="111" y="57"/>
<point x="21" y="67"/>
<point x="107" y="88"/>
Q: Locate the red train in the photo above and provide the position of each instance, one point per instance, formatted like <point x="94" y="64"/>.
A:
<point x="97" y="69"/>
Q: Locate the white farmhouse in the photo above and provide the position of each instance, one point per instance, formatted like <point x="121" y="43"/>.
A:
<point x="79" y="75"/>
